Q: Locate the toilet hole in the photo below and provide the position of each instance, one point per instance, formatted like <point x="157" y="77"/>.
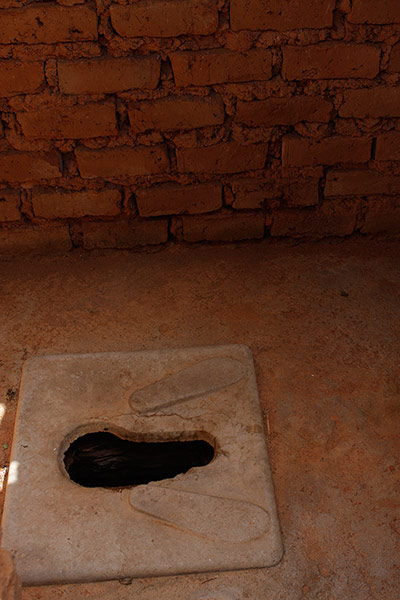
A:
<point x="102" y="459"/>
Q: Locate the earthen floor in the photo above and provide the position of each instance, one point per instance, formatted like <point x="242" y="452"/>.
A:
<point x="322" y="321"/>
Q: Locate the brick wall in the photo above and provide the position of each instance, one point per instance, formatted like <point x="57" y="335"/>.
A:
<point x="131" y="123"/>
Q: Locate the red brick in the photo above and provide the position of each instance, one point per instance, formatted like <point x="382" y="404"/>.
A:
<point x="330" y="219"/>
<point x="375" y="11"/>
<point x="382" y="216"/>
<point x="388" y="146"/>
<point x="124" y="234"/>
<point x="172" y="199"/>
<point x="124" y="161"/>
<point x="165" y="18"/>
<point x="220" y="228"/>
<point x="47" y="23"/>
<point x="300" y="192"/>
<point x="252" y="193"/>
<point x="108" y="75"/>
<point x="284" y="111"/>
<point x="179" y="112"/>
<point x="29" y="166"/>
<point x="76" y="122"/>
<point x="228" y="157"/>
<point x="34" y="239"/>
<point x="330" y="61"/>
<point x="63" y="204"/>
<point x="394" y="62"/>
<point x="361" y="183"/>
<point x="298" y="152"/>
<point x="9" y="205"/>
<point x="272" y="15"/>
<point x="371" y="102"/>
<point x="20" y="77"/>
<point x="208" y="67"/>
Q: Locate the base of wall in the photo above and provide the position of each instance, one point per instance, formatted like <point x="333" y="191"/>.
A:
<point x="330" y="219"/>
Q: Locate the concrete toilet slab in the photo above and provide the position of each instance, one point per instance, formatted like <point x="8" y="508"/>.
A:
<point x="221" y="516"/>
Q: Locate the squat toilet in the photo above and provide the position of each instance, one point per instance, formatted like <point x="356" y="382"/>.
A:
<point x="195" y="494"/>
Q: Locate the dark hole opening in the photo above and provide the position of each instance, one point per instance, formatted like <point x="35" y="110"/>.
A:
<point x="102" y="459"/>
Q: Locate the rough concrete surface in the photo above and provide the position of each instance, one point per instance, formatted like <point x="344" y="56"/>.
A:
<point x="322" y="323"/>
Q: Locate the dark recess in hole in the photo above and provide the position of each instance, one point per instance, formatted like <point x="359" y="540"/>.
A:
<point x="102" y="459"/>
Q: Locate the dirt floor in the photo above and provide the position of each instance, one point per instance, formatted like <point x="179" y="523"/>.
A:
<point x="322" y="320"/>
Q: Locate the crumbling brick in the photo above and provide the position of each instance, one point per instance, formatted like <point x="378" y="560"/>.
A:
<point x="374" y="11"/>
<point x="223" y="228"/>
<point x="300" y="192"/>
<point x="124" y="234"/>
<point x="179" y="112"/>
<point x="108" y="75"/>
<point x="277" y="110"/>
<point x="382" y="216"/>
<point x="17" y="77"/>
<point x="34" y="239"/>
<point x="284" y="111"/>
<point x="382" y="101"/>
<point x="165" y="18"/>
<point x="297" y="151"/>
<point x="229" y="157"/>
<point x="80" y="121"/>
<point x="47" y="23"/>
<point x="388" y="146"/>
<point x="170" y="199"/>
<point x="64" y="204"/>
<point x="394" y="62"/>
<point x="260" y="14"/>
<point x="125" y="161"/>
<point x="331" y="60"/>
<point x="252" y="193"/>
<point x="361" y="183"/>
<point x="29" y="166"/>
<point x="9" y="206"/>
<point x="331" y="219"/>
<point x="220" y="66"/>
